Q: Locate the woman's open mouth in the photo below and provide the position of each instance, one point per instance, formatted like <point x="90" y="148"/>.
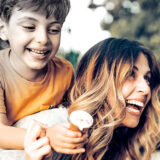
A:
<point x="134" y="106"/>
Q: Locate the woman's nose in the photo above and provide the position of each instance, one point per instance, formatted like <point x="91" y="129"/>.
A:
<point x="143" y="86"/>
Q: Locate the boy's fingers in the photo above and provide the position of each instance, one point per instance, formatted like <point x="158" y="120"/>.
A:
<point x="74" y="140"/>
<point x="67" y="132"/>
<point x="66" y="125"/>
<point x="73" y="134"/>
<point x="69" y="145"/>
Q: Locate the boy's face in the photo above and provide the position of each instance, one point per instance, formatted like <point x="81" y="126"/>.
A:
<point x="34" y="40"/>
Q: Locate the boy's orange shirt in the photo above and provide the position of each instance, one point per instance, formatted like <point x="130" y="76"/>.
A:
<point x="20" y="97"/>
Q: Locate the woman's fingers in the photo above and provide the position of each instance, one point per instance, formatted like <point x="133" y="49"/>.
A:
<point x="39" y="143"/>
<point x="35" y="147"/>
<point x="33" y="132"/>
<point x="43" y="128"/>
<point x="38" y="154"/>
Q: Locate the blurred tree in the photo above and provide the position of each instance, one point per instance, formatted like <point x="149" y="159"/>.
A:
<point x="3" y="44"/>
<point x="135" y="19"/>
<point x="72" y="56"/>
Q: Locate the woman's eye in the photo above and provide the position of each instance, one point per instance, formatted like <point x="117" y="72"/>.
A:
<point x="148" y="80"/>
<point x="132" y="74"/>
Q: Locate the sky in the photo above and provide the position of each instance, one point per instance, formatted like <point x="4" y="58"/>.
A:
<point x="84" y="24"/>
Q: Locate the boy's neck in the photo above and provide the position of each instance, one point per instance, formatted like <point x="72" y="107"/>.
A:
<point x="26" y="73"/>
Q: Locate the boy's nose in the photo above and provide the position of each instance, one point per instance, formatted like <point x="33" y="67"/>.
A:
<point x="143" y="86"/>
<point x="42" y="37"/>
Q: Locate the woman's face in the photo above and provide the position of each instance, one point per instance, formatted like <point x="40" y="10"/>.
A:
<point x="136" y="92"/>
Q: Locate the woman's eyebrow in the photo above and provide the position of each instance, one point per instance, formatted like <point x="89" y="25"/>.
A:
<point x="135" y="68"/>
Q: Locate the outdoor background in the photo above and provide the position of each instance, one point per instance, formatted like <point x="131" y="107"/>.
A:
<point x="90" y="21"/>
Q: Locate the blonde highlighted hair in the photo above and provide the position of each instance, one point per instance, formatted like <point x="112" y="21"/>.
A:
<point x="106" y="66"/>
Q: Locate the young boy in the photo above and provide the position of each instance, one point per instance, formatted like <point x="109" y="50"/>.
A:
<point x="32" y="78"/>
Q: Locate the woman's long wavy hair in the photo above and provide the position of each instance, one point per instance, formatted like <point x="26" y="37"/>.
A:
<point x="106" y="66"/>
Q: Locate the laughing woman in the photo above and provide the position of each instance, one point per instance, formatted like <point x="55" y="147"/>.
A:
<point x="117" y="82"/>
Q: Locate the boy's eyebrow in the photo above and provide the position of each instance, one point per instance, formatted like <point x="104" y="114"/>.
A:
<point x="27" y="18"/>
<point x="33" y="19"/>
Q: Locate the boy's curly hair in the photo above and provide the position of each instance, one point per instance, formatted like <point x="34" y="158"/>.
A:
<point x="57" y="8"/>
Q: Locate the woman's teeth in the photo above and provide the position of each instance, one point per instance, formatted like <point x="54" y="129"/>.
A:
<point x="133" y="109"/>
<point x="136" y="103"/>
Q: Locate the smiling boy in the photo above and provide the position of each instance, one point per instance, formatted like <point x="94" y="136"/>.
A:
<point x="32" y="78"/>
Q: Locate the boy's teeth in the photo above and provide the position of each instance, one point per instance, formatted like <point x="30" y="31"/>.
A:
<point x="37" y="51"/>
<point x="134" y="102"/>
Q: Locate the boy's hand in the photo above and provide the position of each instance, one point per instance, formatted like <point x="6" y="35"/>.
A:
<point x="36" y="148"/>
<point x="64" y="140"/>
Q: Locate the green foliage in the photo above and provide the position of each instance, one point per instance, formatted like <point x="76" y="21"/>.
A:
<point x="72" y="56"/>
<point x="138" y="20"/>
<point x="3" y="44"/>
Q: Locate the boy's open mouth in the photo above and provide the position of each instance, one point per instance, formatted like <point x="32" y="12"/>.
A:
<point x="134" y="106"/>
<point x="39" y="52"/>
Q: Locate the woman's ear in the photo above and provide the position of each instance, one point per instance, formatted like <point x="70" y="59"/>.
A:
<point x="3" y="30"/>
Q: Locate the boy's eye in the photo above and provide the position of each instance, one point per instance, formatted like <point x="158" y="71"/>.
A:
<point x="54" y="30"/>
<point x="29" y="28"/>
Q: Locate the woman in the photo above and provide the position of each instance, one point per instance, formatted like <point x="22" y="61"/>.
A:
<point x="117" y="82"/>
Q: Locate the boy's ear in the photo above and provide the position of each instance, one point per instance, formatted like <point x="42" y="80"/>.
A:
<point x="3" y="31"/>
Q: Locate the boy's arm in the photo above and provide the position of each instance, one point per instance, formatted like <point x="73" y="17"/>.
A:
<point x="10" y="137"/>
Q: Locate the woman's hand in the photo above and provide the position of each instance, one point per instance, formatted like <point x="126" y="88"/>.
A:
<point x="36" y="146"/>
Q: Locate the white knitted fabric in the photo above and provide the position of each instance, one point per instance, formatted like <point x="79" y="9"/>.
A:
<point x="48" y="117"/>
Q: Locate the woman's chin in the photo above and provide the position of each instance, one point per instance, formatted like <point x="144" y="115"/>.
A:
<point x="131" y="123"/>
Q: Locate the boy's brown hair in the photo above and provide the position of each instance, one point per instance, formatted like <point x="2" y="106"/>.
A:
<point x="57" y="8"/>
